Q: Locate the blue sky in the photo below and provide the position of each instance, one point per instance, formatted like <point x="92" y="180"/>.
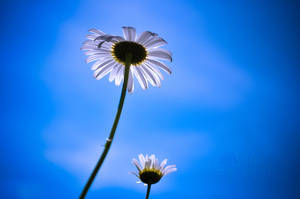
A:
<point x="228" y="116"/>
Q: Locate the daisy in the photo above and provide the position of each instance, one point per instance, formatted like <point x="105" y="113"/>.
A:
<point x="109" y="55"/>
<point x="149" y="169"/>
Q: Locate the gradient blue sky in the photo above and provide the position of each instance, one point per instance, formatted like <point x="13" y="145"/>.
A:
<point x="228" y="116"/>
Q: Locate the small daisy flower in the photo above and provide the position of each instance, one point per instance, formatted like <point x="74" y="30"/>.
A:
<point x="149" y="169"/>
<point x="109" y="53"/>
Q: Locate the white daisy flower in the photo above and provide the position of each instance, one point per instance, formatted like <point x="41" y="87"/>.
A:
<point x="149" y="169"/>
<point x="109" y="53"/>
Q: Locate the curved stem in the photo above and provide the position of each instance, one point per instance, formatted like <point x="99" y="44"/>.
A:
<point x="113" y="129"/>
<point x="148" y="191"/>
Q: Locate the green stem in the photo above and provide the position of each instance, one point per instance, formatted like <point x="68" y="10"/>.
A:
<point x="113" y="129"/>
<point x="148" y="191"/>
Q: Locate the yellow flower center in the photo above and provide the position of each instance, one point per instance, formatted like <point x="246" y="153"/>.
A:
<point x="120" y="49"/>
<point x="150" y="176"/>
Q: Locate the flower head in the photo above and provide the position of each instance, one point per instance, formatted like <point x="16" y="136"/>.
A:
<point x="149" y="169"/>
<point x="109" y="54"/>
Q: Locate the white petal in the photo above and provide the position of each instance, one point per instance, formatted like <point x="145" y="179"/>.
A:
<point x="148" y="164"/>
<point x="107" y="45"/>
<point x="96" y="64"/>
<point x="160" y="54"/>
<point x="107" y="38"/>
<point x="142" y="160"/>
<point x="101" y="72"/>
<point x="146" y="158"/>
<point x="154" y="75"/>
<point x="146" y="76"/>
<point x="160" y="65"/>
<point x="89" y="42"/>
<point x="154" y="69"/>
<point x="129" y="33"/>
<point x="95" y="57"/>
<point x="139" y="76"/>
<point x="143" y="77"/>
<point x="90" y="52"/>
<point x="161" y="50"/>
<point x="170" y="171"/>
<point x="130" y="84"/>
<point x="88" y="47"/>
<point x="152" y="159"/>
<point x="97" y="32"/>
<point x="113" y="72"/>
<point x="94" y="45"/>
<point x="145" y="36"/>
<point x="99" y="54"/>
<point x="149" y="75"/>
<point x="156" y="164"/>
<point x="163" y="164"/>
<point x="136" y="163"/>
<point x="101" y="50"/>
<point x="91" y="37"/>
<point x="96" y="52"/>
<point x="156" y="43"/>
<point x="152" y="39"/>
<point x="119" y="76"/>
<point x="101" y="63"/>
<point x="168" y="168"/>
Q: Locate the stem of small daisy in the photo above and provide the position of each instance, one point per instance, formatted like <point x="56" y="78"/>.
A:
<point x="148" y="191"/>
<point x="113" y="129"/>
